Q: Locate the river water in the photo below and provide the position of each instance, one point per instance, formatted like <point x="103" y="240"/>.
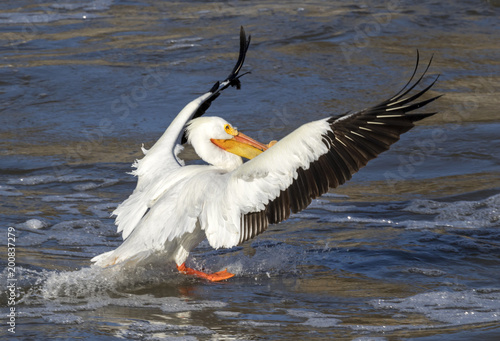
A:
<point x="408" y="249"/>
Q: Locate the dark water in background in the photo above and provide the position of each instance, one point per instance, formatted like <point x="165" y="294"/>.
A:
<point x="409" y="249"/>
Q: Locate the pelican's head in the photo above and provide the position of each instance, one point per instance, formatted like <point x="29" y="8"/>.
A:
<point x="220" y="144"/>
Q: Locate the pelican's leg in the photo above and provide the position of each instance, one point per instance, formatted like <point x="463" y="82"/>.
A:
<point x="216" y="276"/>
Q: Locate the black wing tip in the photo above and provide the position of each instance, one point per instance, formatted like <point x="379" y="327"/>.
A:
<point x="233" y="79"/>
<point x="402" y="101"/>
<point x="244" y="40"/>
<point x="409" y="86"/>
<point x="420" y="116"/>
<point x="405" y="101"/>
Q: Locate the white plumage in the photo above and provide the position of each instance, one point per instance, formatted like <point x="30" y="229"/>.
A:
<point x="174" y="207"/>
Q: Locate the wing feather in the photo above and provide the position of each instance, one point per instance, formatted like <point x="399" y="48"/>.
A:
<point x="161" y="159"/>
<point x="317" y="156"/>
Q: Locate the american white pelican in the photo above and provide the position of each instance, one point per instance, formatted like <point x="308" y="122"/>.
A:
<point x="174" y="207"/>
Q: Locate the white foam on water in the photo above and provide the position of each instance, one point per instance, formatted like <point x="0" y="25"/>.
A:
<point x="33" y="224"/>
<point x="460" y="214"/>
<point x="252" y="323"/>
<point x="63" y="319"/>
<point x="270" y="259"/>
<point x="445" y="308"/>
<point x="57" y="12"/>
<point x="158" y="327"/>
<point x="132" y="335"/>
<point x="75" y="197"/>
<point x="42" y="18"/>
<point x="224" y="313"/>
<point x="329" y="206"/>
<point x="318" y="203"/>
<point x="95" y="5"/>
<point x="59" y="294"/>
<point x="178" y="46"/>
<point x="453" y="308"/>
<point x="335" y="195"/>
<point x="315" y="319"/>
<point x="77" y="224"/>
<point x="72" y="286"/>
<point x="175" y="305"/>
<point x="58" y="297"/>
<point x="45" y="179"/>
<point x="184" y="40"/>
<point x="102" y="210"/>
<point x="322" y="322"/>
<point x="98" y="5"/>
<point x="356" y="219"/>
<point x="308" y="313"/>
<point x="81" y="232"/>
<point x="346" y="213"/>
<point x="88" y="182"/>
<point x="61" y="297"/>
<point x="427" y="272"/>
<point x="93" y="185"/>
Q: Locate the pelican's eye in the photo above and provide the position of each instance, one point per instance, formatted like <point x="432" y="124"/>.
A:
<point x="230" y="130"/>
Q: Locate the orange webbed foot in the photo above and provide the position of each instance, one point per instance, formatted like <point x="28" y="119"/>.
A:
<point x="215" y="277"/>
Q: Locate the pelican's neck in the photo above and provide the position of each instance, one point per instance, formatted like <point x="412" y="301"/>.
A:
<point x="214" y="155"/>
<point x="229" y="162"/>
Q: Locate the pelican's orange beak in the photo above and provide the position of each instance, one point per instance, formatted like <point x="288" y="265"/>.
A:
<point x="240" y="144"/>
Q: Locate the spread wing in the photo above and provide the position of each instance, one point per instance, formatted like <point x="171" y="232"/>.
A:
<point x="305" y="164"/>
<point x="161" y="159"/>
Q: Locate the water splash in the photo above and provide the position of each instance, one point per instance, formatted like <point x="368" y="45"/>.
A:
<point x="460" y="214"/>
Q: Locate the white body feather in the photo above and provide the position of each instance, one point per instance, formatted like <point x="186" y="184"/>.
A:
<point x="187" y="204"/>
